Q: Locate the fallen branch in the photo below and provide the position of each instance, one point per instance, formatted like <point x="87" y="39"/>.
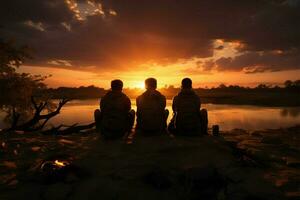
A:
<point x="38" y="121"/>
<point x="69" y="130"/>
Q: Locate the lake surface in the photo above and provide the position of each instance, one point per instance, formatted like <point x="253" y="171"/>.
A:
<point x="226" y="116"/>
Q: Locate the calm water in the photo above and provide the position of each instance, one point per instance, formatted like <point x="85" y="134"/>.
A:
<point x="227" y="116"/>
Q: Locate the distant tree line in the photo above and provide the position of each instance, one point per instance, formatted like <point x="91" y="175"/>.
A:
<point x="82" y="92"/>
<point x="170" y="91"/>
<point x="292" y="84"/>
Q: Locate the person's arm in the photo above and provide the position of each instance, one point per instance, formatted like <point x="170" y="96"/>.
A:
<point x="198" y="100"/>
<point x="174" y="104"/>
<point x="102" y="103"/>
<point x="127" y="104"/>
<point x="137" y="106"/>
<point x="164" y="102"/>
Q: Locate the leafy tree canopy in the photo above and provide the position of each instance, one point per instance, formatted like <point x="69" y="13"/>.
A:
<point x="16" y="88"/>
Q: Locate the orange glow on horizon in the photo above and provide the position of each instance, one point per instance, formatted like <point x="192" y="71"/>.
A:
<point x="165" y="75"/>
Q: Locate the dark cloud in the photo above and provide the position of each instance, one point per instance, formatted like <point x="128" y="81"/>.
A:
<point x="254" y="62"/>
<point x="132" y="32"/>
<point x="49" y="12"/>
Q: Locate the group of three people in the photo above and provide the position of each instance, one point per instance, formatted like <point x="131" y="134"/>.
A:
<point x="115" y="118"/>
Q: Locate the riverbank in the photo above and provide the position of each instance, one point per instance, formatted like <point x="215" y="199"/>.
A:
<point x="276" y="150"/>
<point x="240" y="165"/>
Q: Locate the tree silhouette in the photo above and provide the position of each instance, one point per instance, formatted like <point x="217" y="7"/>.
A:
<point x="16" y="88"/>
<point x="22" y="94"/>
<point x="288" y="83"/>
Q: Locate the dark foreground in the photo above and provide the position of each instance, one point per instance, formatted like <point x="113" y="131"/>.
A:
<point x="256" y="165"/>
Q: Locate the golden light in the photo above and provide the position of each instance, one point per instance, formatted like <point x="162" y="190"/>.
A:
<point x="140" y="85"/>
<point x="137" y="84"/>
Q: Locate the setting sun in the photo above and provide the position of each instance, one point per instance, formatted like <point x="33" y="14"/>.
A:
<point x="138" y="84"/>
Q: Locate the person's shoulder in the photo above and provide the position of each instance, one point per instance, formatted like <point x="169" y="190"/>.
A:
<point x="109" y="92"/>
<point x="125" y="96"/>
<point x="180" y="94"/>
<point x="142" y="95"/>
<point x="196" y="95"/>
<point x="176" y="96"/>
<point x="158" y="93"/>
<point x="106" y="95"/>
<point x="139" y="97"/>
<point x="163" y="96"/>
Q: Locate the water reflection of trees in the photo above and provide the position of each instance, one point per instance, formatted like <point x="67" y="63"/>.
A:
<point x="292" y="112"/>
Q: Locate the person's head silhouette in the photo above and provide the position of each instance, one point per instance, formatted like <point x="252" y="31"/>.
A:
<point x="150" y="83"/>
<point x="186" y="83"/>
<point x="116" y="85"/>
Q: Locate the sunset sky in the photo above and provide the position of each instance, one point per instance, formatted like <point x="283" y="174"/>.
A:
<point x="90" y="42"/>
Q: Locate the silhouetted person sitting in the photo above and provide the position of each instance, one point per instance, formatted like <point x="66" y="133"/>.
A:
<point x="187" y="117"/>
<point x="151" y="113"/>
<point x="115" y="117"/>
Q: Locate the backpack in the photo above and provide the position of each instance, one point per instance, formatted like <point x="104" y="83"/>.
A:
<point x="187" y="117"/>
<point x="151" y="114"/>
<point x="114" y="120"/>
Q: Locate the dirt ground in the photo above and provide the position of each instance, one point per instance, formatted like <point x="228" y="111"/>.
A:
<point x="160" y="167"/>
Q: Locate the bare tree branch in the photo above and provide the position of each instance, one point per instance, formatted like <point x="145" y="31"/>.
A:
<point x="34" y="103"/>
<point x="39" y="121"/>
<point x="33" y="123"/>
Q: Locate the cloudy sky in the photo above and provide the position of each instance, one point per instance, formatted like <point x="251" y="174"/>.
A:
<point x="84" y="42"/>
